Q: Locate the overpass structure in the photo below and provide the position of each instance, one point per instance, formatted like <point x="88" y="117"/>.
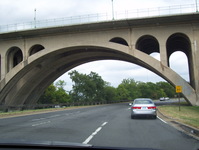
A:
<point x="32" y="59"/>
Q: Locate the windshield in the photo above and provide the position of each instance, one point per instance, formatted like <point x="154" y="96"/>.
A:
<point x="99" y="73"/>
<point x="143" y="102"/>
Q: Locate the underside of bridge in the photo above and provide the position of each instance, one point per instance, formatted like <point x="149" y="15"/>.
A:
<point x="29" y="83"/>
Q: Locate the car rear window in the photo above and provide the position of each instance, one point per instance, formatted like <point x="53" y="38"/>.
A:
<point x="143" y="102"/>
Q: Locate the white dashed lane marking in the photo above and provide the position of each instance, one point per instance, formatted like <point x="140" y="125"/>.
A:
<point x="94" y="133"/>
<point x="41" y="123"/>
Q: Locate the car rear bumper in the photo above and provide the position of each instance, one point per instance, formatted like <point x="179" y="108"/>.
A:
<point x="143" y="112"/>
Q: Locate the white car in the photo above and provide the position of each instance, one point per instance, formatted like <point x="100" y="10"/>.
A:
<point x="143" y="107"/>
<point x="164" y="98"/>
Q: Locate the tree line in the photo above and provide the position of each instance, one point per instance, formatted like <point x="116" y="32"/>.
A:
<point x="92" y="88"/>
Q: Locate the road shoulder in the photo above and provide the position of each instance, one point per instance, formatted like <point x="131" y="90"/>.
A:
<point x="189" y="130"/>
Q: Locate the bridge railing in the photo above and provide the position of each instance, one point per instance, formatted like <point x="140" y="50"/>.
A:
<point x="158" y="11"/>
<point x="91" y="18"/>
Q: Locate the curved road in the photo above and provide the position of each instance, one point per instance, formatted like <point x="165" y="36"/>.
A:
<point x="107" y="125"/>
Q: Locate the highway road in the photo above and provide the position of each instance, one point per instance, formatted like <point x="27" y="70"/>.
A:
<point x="107" y="125"/>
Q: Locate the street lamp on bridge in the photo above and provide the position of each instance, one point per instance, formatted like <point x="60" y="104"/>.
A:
<point x="112" y="11"/>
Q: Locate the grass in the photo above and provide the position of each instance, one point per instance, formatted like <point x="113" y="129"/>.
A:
<point x="187" y="114"/>
<point x="18" y="112"/>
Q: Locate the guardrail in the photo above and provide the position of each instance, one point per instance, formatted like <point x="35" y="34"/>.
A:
<point x="92" y="18"/>
<point x="7" y="108"/>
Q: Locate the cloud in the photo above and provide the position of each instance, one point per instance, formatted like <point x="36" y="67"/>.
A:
<point x="114" y="72"/>
<point x="23" y="10"/>
<point x="179" y="63"/>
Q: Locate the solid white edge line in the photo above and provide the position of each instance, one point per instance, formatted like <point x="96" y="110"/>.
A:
<point x="94" y="133"/>
<point x="161" y="119"/>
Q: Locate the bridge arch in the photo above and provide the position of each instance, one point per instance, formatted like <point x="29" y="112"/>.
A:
<point x="119" y="40"/>
<point x="29" y="83"/>
<point x="181" y="42"/>
<point x="178" y="42"/>
<point x="35" y="48"/>
<point x="148" y="44"/>
<point x="14" y="57"/>
<point x="0" y="66"/>
<point x="175" y="62"/>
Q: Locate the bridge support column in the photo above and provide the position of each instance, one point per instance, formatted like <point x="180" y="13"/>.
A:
<point x="163" y="55"/>
<point x="194" y="79"/>
<point x="3" y="70"/>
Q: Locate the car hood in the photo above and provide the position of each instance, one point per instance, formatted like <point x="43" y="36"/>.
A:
<point x="45" y="145"/>
<point x="41" y="143"/>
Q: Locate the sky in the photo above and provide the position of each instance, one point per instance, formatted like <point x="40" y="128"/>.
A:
<point x="20" y="11"/>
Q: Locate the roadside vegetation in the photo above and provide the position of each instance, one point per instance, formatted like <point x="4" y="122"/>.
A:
<point x="92" y="88"/>
<point x="34" y="111"/>
<point x="187" y="114"/>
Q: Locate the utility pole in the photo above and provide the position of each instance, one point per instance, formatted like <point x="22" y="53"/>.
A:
<point x="196" y="6"/>
<point x="35" y="18"/>
<point x="112" y="10"/>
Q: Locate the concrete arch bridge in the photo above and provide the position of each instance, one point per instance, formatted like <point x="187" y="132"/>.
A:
<point x="32" y="59"/>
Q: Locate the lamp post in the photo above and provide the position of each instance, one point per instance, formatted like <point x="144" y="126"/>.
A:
<point x="196" y="6"/>
<point x="112" y="11"/>
<point x="35" y="18"/>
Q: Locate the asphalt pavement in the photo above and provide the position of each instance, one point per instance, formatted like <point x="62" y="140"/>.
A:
<point x="106" y="125"/>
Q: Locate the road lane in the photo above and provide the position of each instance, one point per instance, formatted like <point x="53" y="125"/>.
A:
<point x="108" y="125"/>
<point x="94" y="133"/>
<point x="68" y="125"/>
<point x="122" y="131"/>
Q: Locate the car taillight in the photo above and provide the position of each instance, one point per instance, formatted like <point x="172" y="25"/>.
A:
<point x="152" y="107"/>
<point x="136" y="107"/>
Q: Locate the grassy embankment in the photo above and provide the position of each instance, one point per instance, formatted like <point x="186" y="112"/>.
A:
<point x="187" y="114"/>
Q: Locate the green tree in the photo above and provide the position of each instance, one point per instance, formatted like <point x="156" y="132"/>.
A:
<point x="143" y="89"/>
<point x="168" y="89"/>
<point x="61" y="94"/>
<point x="152" y="89"/>
<point x="60" y="84"/>
<point x="128" y="89"/>
<point x="48" y="97"/>
<point x="110" y="94"/>
<point x="55" y="94"/>
<point x="122" y="92"/>
<point x="88" y="88"/>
